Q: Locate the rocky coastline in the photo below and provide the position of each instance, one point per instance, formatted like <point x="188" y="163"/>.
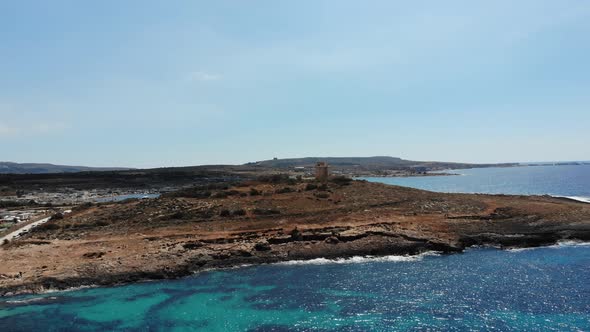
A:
<point x="259" y="223"/>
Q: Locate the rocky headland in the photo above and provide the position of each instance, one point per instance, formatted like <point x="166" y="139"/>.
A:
<point x="272" y="220"/>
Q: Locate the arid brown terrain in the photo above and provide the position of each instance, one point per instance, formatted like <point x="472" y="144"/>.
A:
<point x="269" y="221"/>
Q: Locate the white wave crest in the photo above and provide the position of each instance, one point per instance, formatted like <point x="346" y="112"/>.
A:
<point x="32" y="300"/>
<point x="360" y="259"/>
<point x="558" y="245"/>
<point x="571" y="243"/>
<point x="521" y="249"/>
<point x="583" y="199"/>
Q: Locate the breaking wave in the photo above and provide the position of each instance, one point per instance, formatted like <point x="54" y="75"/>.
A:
<point x="577" y="198"/>
<point x="560" y="244"/>
<point x="360" y="259"/>
<point x="571" y="243"/>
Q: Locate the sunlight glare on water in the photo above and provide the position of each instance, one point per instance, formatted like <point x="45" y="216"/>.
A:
<point x="537" y="289"/>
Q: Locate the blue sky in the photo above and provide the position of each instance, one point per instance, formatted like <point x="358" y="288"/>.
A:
<point x="164" y="83"/>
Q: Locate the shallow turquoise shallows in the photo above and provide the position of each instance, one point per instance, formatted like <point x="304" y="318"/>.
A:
<point x="543" y="289"/>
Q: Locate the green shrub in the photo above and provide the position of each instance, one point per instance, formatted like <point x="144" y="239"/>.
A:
<point x="274" y="178"/>
<point x="48" y="226"/>
<point x="239" y="212"/>
<point x="83" y="206"/>
<point x="322" y="195"/>
<point x="266" y="212"/>
<point x="8" y="204"/>
<point x="220" y="194"/>
<point x="341" y="180"/>
<point x="178" y="215"/>
<point x="311" y="186"/>
<point x="285" y="190"/>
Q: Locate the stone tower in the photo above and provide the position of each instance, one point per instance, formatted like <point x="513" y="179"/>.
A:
<point x="321" y="171"/>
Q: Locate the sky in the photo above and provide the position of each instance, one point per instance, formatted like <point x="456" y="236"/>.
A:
<point x="172" y="83"/>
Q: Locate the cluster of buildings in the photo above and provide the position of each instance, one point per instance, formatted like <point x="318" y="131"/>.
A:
<point x="17" y="216"/>
<point x="9" y="218"/>
<point x="74" y="197"/>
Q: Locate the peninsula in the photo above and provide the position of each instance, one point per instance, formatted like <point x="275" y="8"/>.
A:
<point x="272" y="219"/>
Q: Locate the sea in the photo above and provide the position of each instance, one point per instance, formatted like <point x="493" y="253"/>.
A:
<point x="565" y="181"/>
<point x="482" y="289"/>
<point x="119" y="198"/>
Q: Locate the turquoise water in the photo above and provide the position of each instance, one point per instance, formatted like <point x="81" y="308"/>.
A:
<point x="571" y="181"/>
<point x="542" y="289"/>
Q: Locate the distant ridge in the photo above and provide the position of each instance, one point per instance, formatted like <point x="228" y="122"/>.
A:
<point x="340" y="163"/>
<point x="377" y="162"/>
<point x="34" y="168"/>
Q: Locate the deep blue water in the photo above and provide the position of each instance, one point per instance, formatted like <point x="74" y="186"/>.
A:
<point x="542" y="289"/>
<point x="536" y="180"/>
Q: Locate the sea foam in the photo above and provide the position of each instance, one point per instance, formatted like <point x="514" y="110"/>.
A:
<point x="583" y="199"/>
<point x="580" y="198"/>
<point x="360" y="259"/>
<point x="558" y="245"/>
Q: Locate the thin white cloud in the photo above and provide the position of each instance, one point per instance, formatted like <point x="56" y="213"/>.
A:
<point x="33" y="129"/>
<point x="25" y="120"/>
<point x="203" y="76"/>
<point x="6" y="130"/>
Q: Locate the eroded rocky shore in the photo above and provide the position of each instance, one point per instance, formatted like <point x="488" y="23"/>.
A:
<point x="270" y="221"/>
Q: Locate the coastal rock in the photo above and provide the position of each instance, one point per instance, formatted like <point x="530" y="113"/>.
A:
<point x="280" y="239"/>
<point x="332" y="240"/>
<point x="98" y="254"/>
<point x="296" y="235"/>
<point x="262" y="246"/>
<point x="192" y="245"/>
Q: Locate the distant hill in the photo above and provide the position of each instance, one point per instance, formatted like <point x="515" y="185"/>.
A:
<point x="368" y="163"/>
<point x="33" y="168"/>
<point x="337" y="163"/>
